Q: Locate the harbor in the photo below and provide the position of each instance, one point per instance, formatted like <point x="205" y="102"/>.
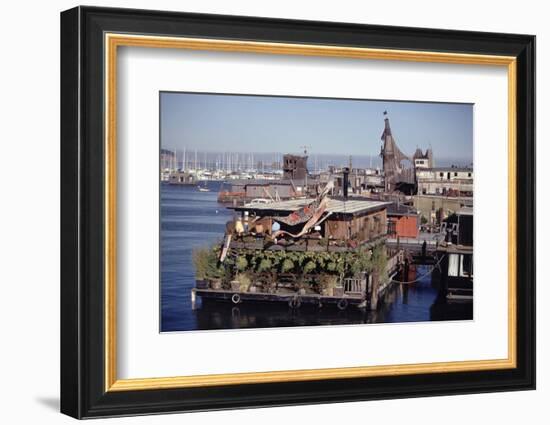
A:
<point x="316" y="248"/>
<point x="195" y="218"/>
<point x="296" y="238"/>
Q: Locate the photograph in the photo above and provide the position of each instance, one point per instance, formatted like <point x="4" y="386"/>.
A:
<point x="279" y="211"/>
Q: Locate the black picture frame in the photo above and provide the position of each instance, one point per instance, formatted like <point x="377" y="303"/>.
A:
<point x="83" y="392"/>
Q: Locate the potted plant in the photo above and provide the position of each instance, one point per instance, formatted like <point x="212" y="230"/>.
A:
<point x="328" y="283"/>
<point x="200" y="262"/>
<point x="214" y="272"/>
<point x="241" y="283"/>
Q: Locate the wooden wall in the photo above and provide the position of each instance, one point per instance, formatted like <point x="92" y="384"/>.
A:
<point x="363" y="228"/>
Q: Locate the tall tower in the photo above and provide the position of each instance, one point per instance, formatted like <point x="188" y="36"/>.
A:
<point x="391" y="157"/>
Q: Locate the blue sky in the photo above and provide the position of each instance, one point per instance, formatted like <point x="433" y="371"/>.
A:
<point x="236" y="123"/>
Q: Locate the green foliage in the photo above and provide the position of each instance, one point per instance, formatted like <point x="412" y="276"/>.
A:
<point x="331" y="266"/>
<point x="248" y="262"/>
<point x="327" y="283"/>
<point x="206" y="264"/>
<point x="287" y="265"/>
<point x="379" y="261"/>
<point x="265" y="265"/>
<point x="241" y="263"/>
<point x="200" y="261"/>
<point x="244" y="281"/>
<point x="309" y="266"/>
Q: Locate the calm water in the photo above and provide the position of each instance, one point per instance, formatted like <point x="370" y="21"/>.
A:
<point x="190" y="218"/>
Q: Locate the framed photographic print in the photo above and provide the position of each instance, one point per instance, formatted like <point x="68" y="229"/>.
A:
<point x="261" y="212"/>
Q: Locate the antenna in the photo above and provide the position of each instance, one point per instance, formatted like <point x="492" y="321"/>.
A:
<point x="305" y="148"/>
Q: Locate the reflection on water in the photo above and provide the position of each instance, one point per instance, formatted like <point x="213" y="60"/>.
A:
<point x="190" y="218"/>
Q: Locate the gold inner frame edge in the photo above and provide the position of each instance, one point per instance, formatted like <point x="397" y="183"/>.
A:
<point x="112" y="41"/>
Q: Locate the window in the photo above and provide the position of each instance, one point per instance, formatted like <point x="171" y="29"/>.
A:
<point x="440" y="174"/>
<point x="456" y="174"/>
<point x="466" y="268"/>
<point x="469" y="174"/>
<point x="391" y="227"/>
<point x="453" y="264"/>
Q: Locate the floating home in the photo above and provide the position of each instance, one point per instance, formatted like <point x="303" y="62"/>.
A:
<point x="455" y="254"/>
<point x="344" y="220"/>
<point x="319" y="250"/>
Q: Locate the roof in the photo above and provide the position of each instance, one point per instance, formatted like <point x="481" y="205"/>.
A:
<point x="400" y="209"/>
<point x="337" y="206"/>
<point x="465" y="211"/>
<point x="449" y="169"/>
<point x="455" y="248"/>
<point x="270" y="182"/>
<point x="258" y="182"/>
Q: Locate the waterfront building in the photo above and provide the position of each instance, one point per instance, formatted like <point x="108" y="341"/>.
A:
<point x="295" y="167"/>
<point x="246" y="190"/>
<point x="433" y="209"/>
<point x="403" y="221"/>
<point x="423" y="160"/>
<point x="448" y="181"/>
<point x="295" y="182"/>
<point x="182" y="178"/>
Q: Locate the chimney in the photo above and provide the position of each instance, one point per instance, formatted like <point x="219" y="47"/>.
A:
<point x="346" y="182"/>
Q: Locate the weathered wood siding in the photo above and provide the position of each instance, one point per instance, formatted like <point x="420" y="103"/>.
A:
<point x="363" y="228"/>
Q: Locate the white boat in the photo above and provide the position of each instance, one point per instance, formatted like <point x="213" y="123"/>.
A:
<point x="203" y="188"/>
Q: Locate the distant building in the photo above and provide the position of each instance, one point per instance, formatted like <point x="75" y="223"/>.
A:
<point x="435" y="208"/>
<point x="294" y="167"/>
<point x="182" y="178"/>
<point x="423" y="160"/>
<point x="246" y="190"/>
<point x="447" y="181"/>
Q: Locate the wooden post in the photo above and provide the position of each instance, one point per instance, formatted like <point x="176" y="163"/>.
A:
<point x="193" y="298"/>
<point x="374" y="291"/>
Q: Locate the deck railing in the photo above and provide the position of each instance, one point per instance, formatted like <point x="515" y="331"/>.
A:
<point x="354" y="285"/>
